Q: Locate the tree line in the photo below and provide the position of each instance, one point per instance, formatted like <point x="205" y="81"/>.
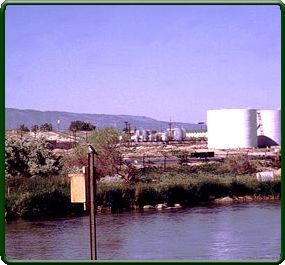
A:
<point x="76" y="125"/>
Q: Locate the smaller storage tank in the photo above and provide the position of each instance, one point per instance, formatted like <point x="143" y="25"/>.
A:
<point x="164" y="137"/>
<point x="269" y="128"/>
<point x="138" y="132"/>
<point x="144" y="136"/>
<point x="179" y="134"/>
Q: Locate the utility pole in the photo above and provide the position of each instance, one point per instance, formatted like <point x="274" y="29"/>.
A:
<point x="92" y="189"/>
<point x="58" y="122"/>
<point x="170" y="131"/>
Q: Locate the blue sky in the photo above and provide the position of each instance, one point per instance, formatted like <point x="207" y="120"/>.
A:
<point x="164" y="61"/>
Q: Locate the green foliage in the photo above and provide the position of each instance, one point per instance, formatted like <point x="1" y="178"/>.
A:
<point x="105" y="142"/>
<point x="35" y="128"/>
<point x="181" y="189"/>
<point x="24" y="128"/>
<point x="36" y="197"/>
<point x="116" y="196"/>
<point x="238" y="164"/>
<point x="30" y="157"/>
<point x="75" y="159"/>
<point x="81" y="126"/>
<point x="108" y="161"/>
<point x="148" y="195"/>
<point x="183" y="156"/>
<point x="46" y="127"/>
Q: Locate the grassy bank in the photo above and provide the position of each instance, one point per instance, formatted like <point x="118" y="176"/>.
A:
<point x="36" y="197"/>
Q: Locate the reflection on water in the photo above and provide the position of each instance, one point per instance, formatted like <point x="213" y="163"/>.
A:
<point x="231" y="232"/>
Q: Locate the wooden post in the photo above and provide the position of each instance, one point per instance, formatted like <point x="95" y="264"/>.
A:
<point x="92" y="193"/>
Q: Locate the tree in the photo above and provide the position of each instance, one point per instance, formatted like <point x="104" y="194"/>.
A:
<point x="81" y="126"/>
<point x="46" y="127"/>
<point x="105" y="142"/>
<point x="30" y="157"/>
<point x="34" y="129"/>
<point x="24" y="128"/>
<point x="109" y="159"/>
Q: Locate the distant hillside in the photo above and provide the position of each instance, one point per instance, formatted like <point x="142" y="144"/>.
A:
<point x="16" y="117"/>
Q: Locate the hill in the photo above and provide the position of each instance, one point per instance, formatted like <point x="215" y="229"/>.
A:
<point x="15" y="117"/>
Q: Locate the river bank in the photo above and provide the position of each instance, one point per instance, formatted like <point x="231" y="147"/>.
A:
<point x="39" y="197"/>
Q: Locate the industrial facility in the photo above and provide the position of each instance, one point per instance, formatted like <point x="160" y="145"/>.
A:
<point x="226" y="129"/>
<point x="174" y="134"/>
<point x="243" y="128"/>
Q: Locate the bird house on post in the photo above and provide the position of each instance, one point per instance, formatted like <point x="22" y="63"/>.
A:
<point x="79" y="187"/>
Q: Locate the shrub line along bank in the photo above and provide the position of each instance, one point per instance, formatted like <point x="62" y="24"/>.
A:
<point x="38" y="197"/>
<point x="34" y="187"/>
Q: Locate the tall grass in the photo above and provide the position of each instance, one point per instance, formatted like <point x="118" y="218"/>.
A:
<point x="39" y="197"/>
<point x="183" y="189"/>
<point x="51" y="196"/>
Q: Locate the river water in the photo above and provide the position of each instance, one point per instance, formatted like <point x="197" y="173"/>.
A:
<point x="245" y="231"/>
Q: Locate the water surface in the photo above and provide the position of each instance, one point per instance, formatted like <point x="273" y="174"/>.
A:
<point x="245" y="231"/>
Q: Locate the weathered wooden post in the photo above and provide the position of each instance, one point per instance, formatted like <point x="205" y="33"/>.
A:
<point x="83" y="190"/>
<point x="92" y="193"/>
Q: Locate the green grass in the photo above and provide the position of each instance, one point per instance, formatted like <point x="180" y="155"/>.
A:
<point x="36" y="197"/>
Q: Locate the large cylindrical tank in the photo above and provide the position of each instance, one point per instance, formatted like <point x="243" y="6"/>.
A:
<point x="144" y="135"/>
<point x="164" y="137"/>
<point x="177" y="134"/>
<point x="138" y="132"/>
<point x="231" y="128"/>
<point x="269" y="128"/>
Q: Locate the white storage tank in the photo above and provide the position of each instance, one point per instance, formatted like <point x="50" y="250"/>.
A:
<point x="144" y="135"/>
<point x="231" y="128"/>
<point x="183" y="133"/>
<point x="177" y="134"/>
<point x="269" y="128"/>
<point x="164" y="137"/>
<point x="138" y="132"/>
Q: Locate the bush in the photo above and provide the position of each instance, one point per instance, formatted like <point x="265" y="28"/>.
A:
<point x="105" y="142"/>
<point x="238" y="164"/>
<point x="30" y="157"/>
<point x="148" y="195"/>
<point x="206" y="189"/>
<point x="36" y="197"/>
<point x="81" y="126"/>
<point x="116" y="196"/>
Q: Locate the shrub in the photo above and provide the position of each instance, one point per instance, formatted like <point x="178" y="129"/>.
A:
<point x="238" y="164"/>
<point x="148" y="195"/>
<point x="38" y="196"/>
<point x="117" y="196"/>
<point x="105" y="142"/>
<point x="30" y="157"/>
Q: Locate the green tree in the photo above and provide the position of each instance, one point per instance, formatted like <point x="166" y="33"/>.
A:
<point x="30" y="157"/>
<point x="105" y="141"/>
<point x="24" y="128"/>
<point x="81" y="126"/>
<point x="35" y="129"/>
<point x="46" y="127"/>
